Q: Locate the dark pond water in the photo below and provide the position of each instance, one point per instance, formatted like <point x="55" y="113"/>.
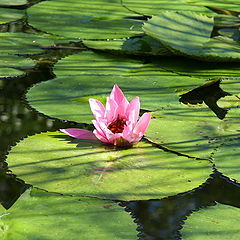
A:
<point x="157" y="219"/>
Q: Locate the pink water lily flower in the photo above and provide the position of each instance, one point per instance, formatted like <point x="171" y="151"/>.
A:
<point x="116" y="124"/>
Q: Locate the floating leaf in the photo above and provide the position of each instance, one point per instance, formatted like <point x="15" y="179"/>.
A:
<point x="14" y="44"/>
<point x="137" y="45"/>
<point x="52" y="216"/>
<point x="217" y="222"/>
<point x="188" y="33"/>
<point x="51" y="162"/>
<point x="91" y="75"/>
<point x="98" y="20"/>
<point x="157" y="6"/>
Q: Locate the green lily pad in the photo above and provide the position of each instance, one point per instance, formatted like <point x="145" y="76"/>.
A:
<point x="189" y="34"/>
<point x="11" y="3"/>
<point x="9" y="15"/>
<point x="90" y="74"/>
<point x="217" y="222"/>
<point x="52" y="216"/>
<point x="138" y="45"/>
<point x="157" y="6"/>
<point x="14" y="44"/>
<point x="51" y="162"/>
<point x="98" y="20"/>
<point x="192" y="131"/>
<point x="227" y="157"/>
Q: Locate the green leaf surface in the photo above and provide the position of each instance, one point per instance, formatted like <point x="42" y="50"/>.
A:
<point x="98" y="20"/>
<point x="137" y="45"/>
<point x="188" y="33"/>
<point x="9" y="15"/>
<point x="12" y="2"/>
<point x="40" y="215"/>
<point x="227" y="157"/>
<point x="52" y="162"/>
<point x="14" y="44"/>
<point x="157" y="6"/>
<point x="92" y="75"/>
<point x="212" y="223"/>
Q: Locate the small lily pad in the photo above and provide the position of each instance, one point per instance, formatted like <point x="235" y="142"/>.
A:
<point x="50" y="161"/>
<point x="53" y="216"/>
<point x="216" y="222"/>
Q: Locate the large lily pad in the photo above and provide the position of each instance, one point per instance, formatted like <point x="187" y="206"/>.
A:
<point x="217" y="222"/>
<point x="89" y="74"/>
<point x="157" y="6"/>
<point x="52" y="216"/>
<point x="14" y="44"/>
<point x="9" y="15"/>
<point x="188" y="33"/>
<point x="52" y="162"/>
<point x="227" y="157"/>
<point x="100" y="19"/>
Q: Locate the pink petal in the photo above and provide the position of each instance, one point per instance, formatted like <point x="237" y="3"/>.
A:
<point x="97" y="108"/>
<point x="111" y="110"/>
<point x="117" y="95"/>
<point x="142" y="124"/>
<point x="100" y="136"/>
<point x="133" y="110"/>
<point x="102" y="130"/>
<point x="79" y="133"/>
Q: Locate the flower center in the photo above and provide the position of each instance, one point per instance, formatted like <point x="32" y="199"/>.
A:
<point x="117" y="126"/>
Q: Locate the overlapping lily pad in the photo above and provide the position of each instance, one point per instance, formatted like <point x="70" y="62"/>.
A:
<point x="52" y="162"/>
<point x="41" y="215"/>
<point x="80" y="19"/>
<point x="156" y="6"/>
<point x="188" y="33"/>
<point x="217" y="222"/>
<point x="14" y="44"/>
